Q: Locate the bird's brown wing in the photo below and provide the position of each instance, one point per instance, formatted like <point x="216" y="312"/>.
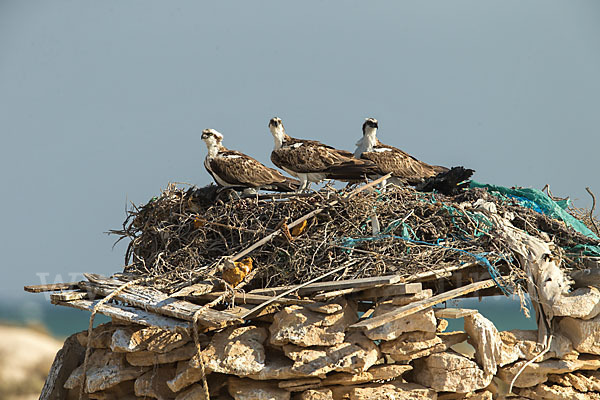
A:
<point x="399" y="163"/>
<point x="305" y="156"/>
<point x="241" y="170"/>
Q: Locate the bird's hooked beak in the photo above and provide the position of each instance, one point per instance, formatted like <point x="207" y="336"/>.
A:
<point x="274" y="122"/>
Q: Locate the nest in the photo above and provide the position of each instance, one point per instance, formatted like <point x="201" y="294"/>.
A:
<point x="181" y="236"/>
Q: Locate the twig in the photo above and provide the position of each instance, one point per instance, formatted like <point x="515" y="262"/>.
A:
<point x="311" y="214"/>
<point x="592" y="210"/>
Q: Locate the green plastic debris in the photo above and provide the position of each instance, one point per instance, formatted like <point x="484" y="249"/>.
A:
<point x="541" y="202"/>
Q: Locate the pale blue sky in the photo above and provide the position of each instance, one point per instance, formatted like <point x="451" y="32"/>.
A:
<point x="102" y="102"/>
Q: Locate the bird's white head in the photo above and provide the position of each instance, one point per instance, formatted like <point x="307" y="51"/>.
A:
<point x="370" y="126"/>
<point x="368" y="139"/>
<point x="213" y="140"/>
<point x="278" y="131"/>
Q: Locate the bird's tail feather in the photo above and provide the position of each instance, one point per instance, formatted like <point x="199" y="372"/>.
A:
<point x="447" y="182"/>
<point x="352" y="170"/>
<point x="289" y="185"/>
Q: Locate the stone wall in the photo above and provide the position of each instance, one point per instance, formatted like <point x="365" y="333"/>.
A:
<point x="308" y="352"/>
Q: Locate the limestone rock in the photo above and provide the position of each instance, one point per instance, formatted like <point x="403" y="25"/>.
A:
<point x="484" y="337"/>
<point x="583" y="303"/>
<point x="195" y="392"/>
<point x="122" y="391"/>
<point x="237" y="351"/>
<point x="105" y="370"/>
<point x="300" y="326"/>
<point x="392" y="390"/>
<point x="523" y="345"/>
<point x="450" y="372"/>
<point x="441" y="325"/>
<point x="300" y="385"/>
<point x="248" y="389"/>
<point x="147" y="358"/>
<point x="101" y="336"/>
<point x="128" y="340"/>
<point x="421" y="321"/>
<point x="585" y="334"/>
<point x="355" y="354"/>
<point x="410" y="298"/>
<point x="556" y="392"/>
<point x="418" y="344"/>
<point x="153" y="384"/>
<point x="581" y="381"/>
<point x="375" y="373"/>
<point x="277" y="367"/>
<point x="185" y="375"/>
<point x="329" y="308"/>
<point x="536" y="373"/>
<point x="316" y="394"/>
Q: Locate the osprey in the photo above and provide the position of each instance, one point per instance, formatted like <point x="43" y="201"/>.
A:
<point x="312" y="161"/>
<point x="232" y="169"/>
<point x="404" y="167"/>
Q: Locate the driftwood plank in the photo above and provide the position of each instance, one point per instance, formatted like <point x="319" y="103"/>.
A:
<point x="377" y="291"/>
<point x="397" y="289"/>
<point x="250" y="298"/>
<point x="363" y="283"/>
<point x="196" y="289"/>
<point x="130" y="314"/>
<point x="53" y="287"/>
<point x="68" y="296"/>
<point x="453" y="313"/>
<point x="242" y="309"/>
<point x="154" y="300"/>
<point x="420" y="305"/>
<point x="438" y="273"/>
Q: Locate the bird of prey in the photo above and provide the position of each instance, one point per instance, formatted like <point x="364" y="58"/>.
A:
<point x="404" y="167"/>
<point x="232" y="169"/>
<point x="313" y="161"/>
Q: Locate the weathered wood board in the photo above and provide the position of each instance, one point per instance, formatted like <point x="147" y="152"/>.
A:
<point x="397" y="289"/>
<point x="130" y="314"/>
<point x="53" y="287"/>
<point x="420" y="305"/>
<point x="364" y="283"/>
<point x="251" y="298"/>
<point x="453" y="313"/>
<point x="158" y="302"/>
<point x="67" y="296"/>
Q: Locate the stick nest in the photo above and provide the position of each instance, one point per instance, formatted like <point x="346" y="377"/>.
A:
<point x="181" y="236"/>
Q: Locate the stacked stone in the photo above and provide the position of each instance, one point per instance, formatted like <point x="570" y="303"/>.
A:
<point x="309" y="353"/>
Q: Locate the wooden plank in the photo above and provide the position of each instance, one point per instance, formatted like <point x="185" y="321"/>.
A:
<point x="242" y="309"/>
<point x="438" y="273"/>
<point x="336" y="293"/>
<point x="377" y="291"/>
<point x="420" y="305"/>
<point x="453" y="313"/>
<point x="53" y="287"/>
<point x="130" y="314"/>
<point x="397" y="289"/>
<point x="68" y="296"/>
<point x="153" y="300"/>
<point x="362" y="283"/>
<point x="250" y="298"/>
<point x="196" y="289"/>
